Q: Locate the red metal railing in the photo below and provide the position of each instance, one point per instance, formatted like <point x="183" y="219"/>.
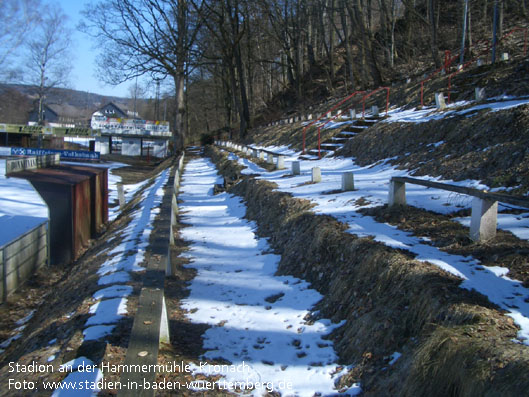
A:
<point x="331" y="119"/>
<point x="486" y="51"/>
<point x="323" y="115"/>
<point x="449" y="59"/>
<point x="364" y="98"/>
<point x="372" y="93"/>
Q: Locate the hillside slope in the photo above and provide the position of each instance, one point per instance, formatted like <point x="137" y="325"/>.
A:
<point x="485" y="141"/>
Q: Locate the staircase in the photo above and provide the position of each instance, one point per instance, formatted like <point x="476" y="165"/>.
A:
<point x="330" y="146"/>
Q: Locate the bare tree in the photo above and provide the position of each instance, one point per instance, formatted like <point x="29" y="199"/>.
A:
<point x="144" y="37"/>
<point x="49" y="63"/>
<point x="19" y="17"/>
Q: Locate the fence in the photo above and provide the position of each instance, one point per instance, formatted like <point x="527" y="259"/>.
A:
<point x="174" y="210"/>
<point x="21" y="257"/>
<point x="449" y="59"/>
<point x="339" y="104"/>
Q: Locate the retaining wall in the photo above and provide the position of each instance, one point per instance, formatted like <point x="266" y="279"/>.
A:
<point x="21" y="257"/>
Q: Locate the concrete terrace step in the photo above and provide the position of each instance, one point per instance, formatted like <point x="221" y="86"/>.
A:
<point x="331" y="145"/>
<point x="366" y="122"/>
<point x="338" y="139"/>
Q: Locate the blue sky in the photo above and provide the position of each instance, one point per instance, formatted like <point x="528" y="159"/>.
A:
<point x="83" y="76"/>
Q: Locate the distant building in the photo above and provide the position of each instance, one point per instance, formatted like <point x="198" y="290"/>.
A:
<point x="55" y="115"/>
<point x="48" y="116"/>
<point x="116" y="120"/>
<point x="111" y="110"/>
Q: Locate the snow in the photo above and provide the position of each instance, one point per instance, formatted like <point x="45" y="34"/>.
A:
<point x="21" y="207"/>
<point x="80" y="377"/>
<point x="83" y="141"/>
<point x="394" y="357"/>
<point x="269" y="339"/>
<point x="429" y="113"/>
<point x="372" y="185"/>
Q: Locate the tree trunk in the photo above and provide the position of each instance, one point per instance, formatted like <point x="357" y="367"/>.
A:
<point x="433" y="35"/>
<point x="347" y="42"/>
<point x="179" y="127"/>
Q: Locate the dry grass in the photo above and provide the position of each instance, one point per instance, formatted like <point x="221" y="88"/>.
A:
<point x="453" y="341"/>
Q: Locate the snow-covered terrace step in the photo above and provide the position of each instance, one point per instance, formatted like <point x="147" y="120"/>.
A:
<point x="323" y="152"/>
<point x="348" y="134"/>
<point x="332" y="145"/>
<point x="309" y="157"/>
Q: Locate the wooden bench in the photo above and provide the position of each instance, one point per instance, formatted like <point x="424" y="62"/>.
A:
<point x="484" y="216"/>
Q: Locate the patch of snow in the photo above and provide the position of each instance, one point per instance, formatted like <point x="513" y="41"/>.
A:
<point x="269" y="339"/>
<point x="372" y="186"/>
<point x="394" y="357"/>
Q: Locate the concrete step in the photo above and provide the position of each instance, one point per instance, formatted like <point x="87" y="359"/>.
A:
<point x="308" y="157"/>
<point x="365" y="123"/>
<point x="331" y="145"/>
<point x="346" y="134"/>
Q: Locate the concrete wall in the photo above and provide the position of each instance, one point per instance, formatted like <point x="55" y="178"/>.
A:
<point x="159" y="149"/>
<point x="131" y="146"/>
<point x="21" y="257"/>
<point x="102" y="145"/>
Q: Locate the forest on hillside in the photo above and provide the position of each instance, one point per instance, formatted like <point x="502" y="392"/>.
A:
<point x="252" y="61"/>
<point x="235" y="64"/>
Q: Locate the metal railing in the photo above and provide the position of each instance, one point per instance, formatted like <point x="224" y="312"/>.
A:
<point x="339" y="104"/>
<point x="449" y="59"/>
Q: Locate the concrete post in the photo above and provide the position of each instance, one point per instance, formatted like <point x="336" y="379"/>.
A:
<point x="480" y="62"/>
<point x="480" y="94"/>
<point x="397" y="193"/>
<point x="270" y="158"/>
<point x="309" y="117"/>
<point x="483" y="221"/>
<point x="296" y="168"/>
<point x="280" y="165"/>
<point x="440" y="101"/>
<point x="504" y="57"/>
<point x="352" y="114"/>
<point x="171" y="237"/>
<point x="121" y="195"/>
<point x="164" y="323"/>
<point x="174" y="205"/>
<point x="176" y="183"/>
<point x="255" y="153"/>
<point x="261" y="155"/>
<point x="374" y="110"/>
<point x="348" y="182"/>
<point x="316" y="174"/>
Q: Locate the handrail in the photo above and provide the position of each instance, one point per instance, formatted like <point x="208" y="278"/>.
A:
<point x="366" y="95"/>
<point x="374" y="92"/>
<point x="520" y="201"/>
<point x="323" y="114"/>
<point x="331" y="119"/>
<point x="463" y="66"/>
<point x="487" y="50"/>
